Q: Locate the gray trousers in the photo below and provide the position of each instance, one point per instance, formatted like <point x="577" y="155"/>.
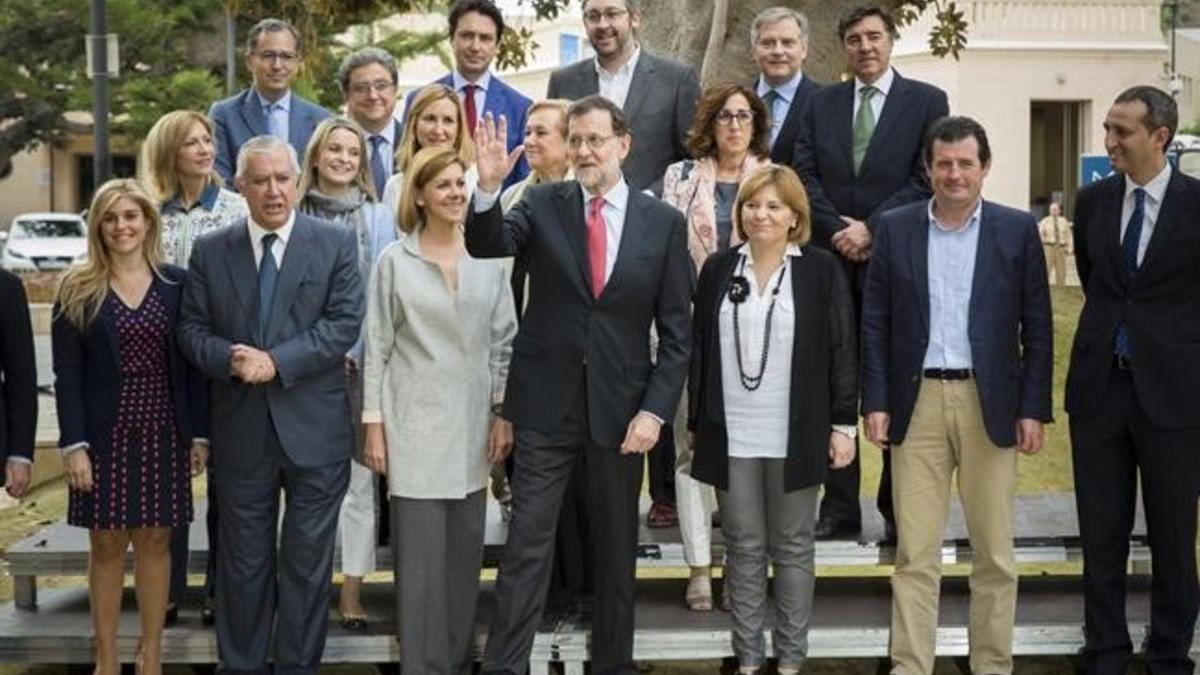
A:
<point x="758" y="518"/>
<point x="437" y="554"/>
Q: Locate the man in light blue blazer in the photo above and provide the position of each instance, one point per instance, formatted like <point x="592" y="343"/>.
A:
<point x="272" y="306"/>
<point x="268" y="107"/>
<point x="476" y="27"/>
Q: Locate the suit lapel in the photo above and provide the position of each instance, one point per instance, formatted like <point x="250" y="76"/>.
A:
<point x="291" y="271"/>
<point x="252" y="114"/>
<point x="111" y="334"/>
<point x="570" y="196"/>
<point x="1164" y="223"/>
<point x="984" y="249"/>
<point x="1112" y="229"/>
<point x="894" y="106"/>
<point x="243" y="273"/>
<point x="299" y="124"/>
<point x="918" y="255"/>
<point x="639" y="85"/>
<point x="494" y="100"/>
<point x="633" y="233"/>
<point x="843" y="124"/>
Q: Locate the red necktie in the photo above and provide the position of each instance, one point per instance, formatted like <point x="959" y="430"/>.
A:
<point x="469" y="107"/>
<point x="597" y="240"/>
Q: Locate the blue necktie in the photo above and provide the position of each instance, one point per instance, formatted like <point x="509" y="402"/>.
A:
<point x="378" y="173"/>
<point x="773" y="99"/>
<point x="277" y="121"/>
<point x="1129" y="253"/>
<point x="268" y="274"/>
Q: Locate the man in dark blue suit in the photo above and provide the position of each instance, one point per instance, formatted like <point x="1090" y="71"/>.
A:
<point x="779" y="37"/>
<point x="956" y="382"/>
<point x="268" y="107"/>
<point x="859" y="154"/>
<point x="1133" y="387"/>
<point x="368" y="80"/>
<point x="476" y="27"/>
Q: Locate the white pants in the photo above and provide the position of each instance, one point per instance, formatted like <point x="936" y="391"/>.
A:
<point x="694" y="501"/>
<point x="357" y="523"/>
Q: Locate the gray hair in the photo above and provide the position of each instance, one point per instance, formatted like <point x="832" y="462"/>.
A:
<point x="365" y="57"/>
<point x="773" y="15"/>
<point x="272" y="25"/>
<point x="261" y="145"/>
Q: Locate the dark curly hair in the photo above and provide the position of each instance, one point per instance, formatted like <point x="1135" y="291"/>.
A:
<point x="702" y="137"/>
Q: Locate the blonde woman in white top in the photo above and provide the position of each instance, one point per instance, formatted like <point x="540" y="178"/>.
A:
<point x="438" y="331"/>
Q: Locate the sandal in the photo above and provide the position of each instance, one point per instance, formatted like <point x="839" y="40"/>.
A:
<point x="699" y="593"/>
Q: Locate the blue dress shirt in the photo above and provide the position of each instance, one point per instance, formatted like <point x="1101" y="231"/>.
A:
<point x="951" y="274"/>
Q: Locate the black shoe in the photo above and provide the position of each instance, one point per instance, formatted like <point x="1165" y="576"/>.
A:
<point x="828" y="529"/>
<point x="208" y="616"/>
<point x="172" y="616"/>
<point x="889" y="533"/>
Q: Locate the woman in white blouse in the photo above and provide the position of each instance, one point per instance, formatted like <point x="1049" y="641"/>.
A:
<point x="178" y="172"/>
<point x="772" y="405"/>
<point x="439" y="330"/>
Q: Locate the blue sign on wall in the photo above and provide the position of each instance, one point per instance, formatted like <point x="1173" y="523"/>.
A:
<point x="1093" y="168"/>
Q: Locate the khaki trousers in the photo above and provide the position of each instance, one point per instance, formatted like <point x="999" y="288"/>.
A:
<point x="1056" y="263"/>
<point x="947" y="433"/>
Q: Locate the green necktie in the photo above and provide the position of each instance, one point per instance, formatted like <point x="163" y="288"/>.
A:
<point x="864" y="125"/>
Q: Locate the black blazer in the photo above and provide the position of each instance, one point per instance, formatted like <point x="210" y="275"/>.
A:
<point x="824" y="378"/>
<point x="566" y="335"/>
<point x="87" y="370"/>
<point x="1011" y="327"/>
<point x="785" y="143"/>
<point x="893" y="170"/>
<point x="18" y="376"/>
<point x="1160" y="306"/>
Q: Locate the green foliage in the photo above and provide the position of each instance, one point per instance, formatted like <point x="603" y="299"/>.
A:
<point x="948" y="37"/>
<point x="145" y="99"/>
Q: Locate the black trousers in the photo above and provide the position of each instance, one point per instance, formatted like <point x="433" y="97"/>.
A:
<point x="1111" y="451"/>
<point x="661" y="463"/>
<point x="544" y="463"/>
<point x="840" y="503"/>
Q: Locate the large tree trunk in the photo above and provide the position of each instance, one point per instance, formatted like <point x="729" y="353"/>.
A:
<point x="682" y="28"/>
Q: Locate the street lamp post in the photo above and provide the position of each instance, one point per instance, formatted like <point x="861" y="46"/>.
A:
<point x="102" y="160"/>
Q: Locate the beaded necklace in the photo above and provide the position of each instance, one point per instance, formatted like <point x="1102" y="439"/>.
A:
<point x="739" y="290"/>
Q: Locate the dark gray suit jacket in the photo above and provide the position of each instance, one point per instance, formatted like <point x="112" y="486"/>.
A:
<point x="315" y="319"/>
<point x="660" y="106"/>
<point x="239" y="118"/>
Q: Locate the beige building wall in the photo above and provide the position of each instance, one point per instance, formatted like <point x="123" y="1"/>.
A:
<point x="1021" y="52"/>
<point x="1187" y="62"/>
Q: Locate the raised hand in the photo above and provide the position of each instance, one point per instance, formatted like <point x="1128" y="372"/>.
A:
<point x="493" y="161"/>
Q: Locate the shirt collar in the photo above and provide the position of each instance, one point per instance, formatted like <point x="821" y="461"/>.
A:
<point x="787" y="90"/>
<point x="208" y="200"/>
<point x="976" y="215"/>
<point x="1155" y="188"/>
<point x="617" y="195"/>
<point x="792" y="251"/>
<point x="284" y="102"/>
<point x="257" y="232"/>
<point x="626" y="69"/>
<point x="460" y="81"/>
<point x="883" y="85"/>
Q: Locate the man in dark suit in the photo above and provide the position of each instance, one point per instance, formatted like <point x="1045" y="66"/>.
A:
<point x="18" y="386"/>
<point x="1133" y="387"/>
<point x="657" y="94"/>
<point x="272" y="307"/>
<point x="268" y="107"/>
<point x="956" y="385"/>
<point x="368" y="80"/>
<point x="605" y="262"/>
<point x="476" y="28"/>
<point x="779" y="36"/>
<point x="859" y="154"/>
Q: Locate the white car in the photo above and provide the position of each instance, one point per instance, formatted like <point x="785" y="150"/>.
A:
<point x="44" y="242"/>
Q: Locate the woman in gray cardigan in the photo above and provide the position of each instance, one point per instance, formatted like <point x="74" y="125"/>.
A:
<point x="439" y="330"/>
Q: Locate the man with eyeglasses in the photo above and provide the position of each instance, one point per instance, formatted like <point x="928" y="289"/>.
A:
<point x="267" y="107"/>
<point x="368" y="81"/>
<point x="476" y="28"/>
<point x="658" y="95"/>
<point x="859" y="153"/>
<point x="779" y="37"/>
<point x="605" y="262"/>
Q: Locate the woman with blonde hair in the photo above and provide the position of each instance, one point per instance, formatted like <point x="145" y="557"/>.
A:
<point x="336" y="185"/>
<point x="729" y="138"/>
<point x="439" y="331"/>
<point x="131" y="413"/>
<point x="545" y="148"/>
<point x="435" y="119"/>
<point x="178" y="170"/>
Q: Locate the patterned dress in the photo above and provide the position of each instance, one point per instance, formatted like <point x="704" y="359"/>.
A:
<point x="140" y="474"/>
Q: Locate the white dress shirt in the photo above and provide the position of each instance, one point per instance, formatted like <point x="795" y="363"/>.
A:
<point x="257" y="232"/>
<point x="481" y="88"/>
<point x="882" y="86"/>
<point x="615" y="86"/>
<point x="1156" y="189"/>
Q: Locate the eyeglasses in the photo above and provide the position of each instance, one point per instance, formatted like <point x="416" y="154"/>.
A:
<point x="365" y="88"/>
<point x="286" y="58"/>
<point x="743" y="117"/>
<point x="595" y="141"/>
<point x="593" y="17"/>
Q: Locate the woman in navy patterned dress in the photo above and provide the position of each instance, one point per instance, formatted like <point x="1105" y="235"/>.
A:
<point x="131" y="413"/>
